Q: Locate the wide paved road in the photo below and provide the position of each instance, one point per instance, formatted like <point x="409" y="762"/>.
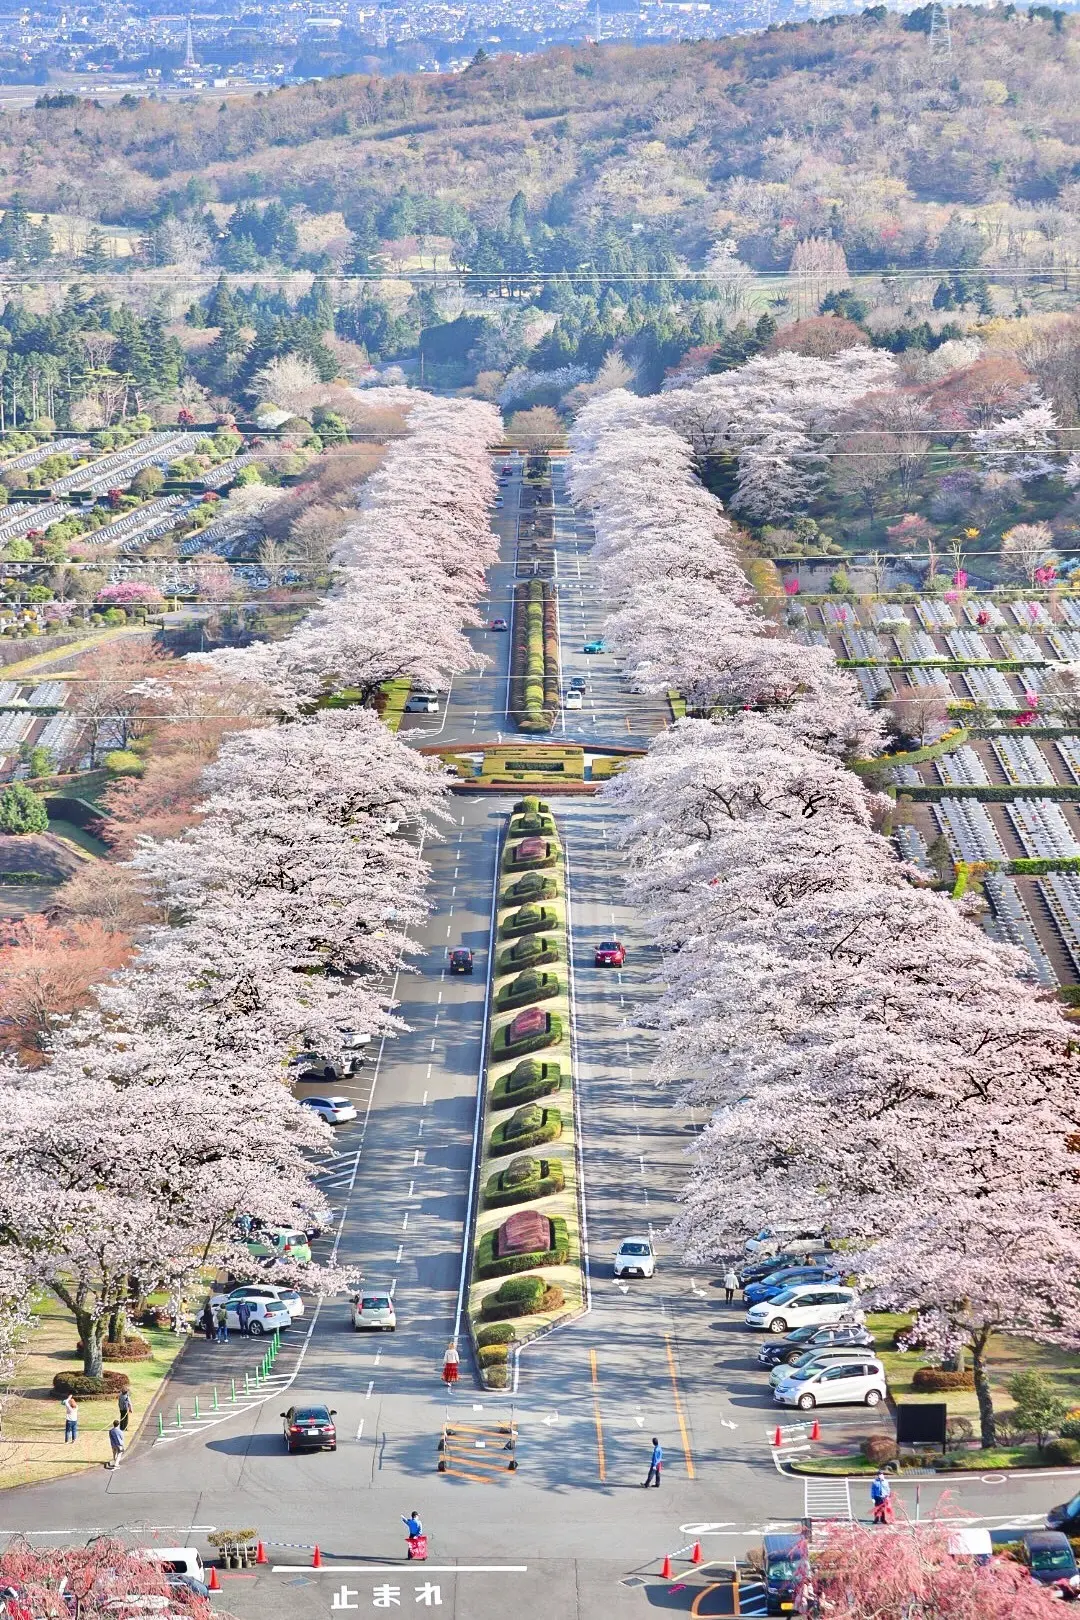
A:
<point x="572" y="1533"/>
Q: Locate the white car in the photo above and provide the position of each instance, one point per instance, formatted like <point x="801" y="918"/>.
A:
<point x="334" y="1110"/>
<point x="856" y="1380"/>
<point x="808" y="1305"/>
<point x="374" y="1310"/>
<point x="269" y="1292"/>
<point x="265" y="1316"/>
<point x="572" y="700"/>
<point x="635" y="1257"/>
<point x="829" y="1357"/>
<point x="418" y="704"/>
<point x="778" y="1239"/>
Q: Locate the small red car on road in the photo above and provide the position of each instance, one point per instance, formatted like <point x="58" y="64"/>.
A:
<point x="610" y="953"/>
<point x="461" y="960"/>
<point x="498" y="624"/>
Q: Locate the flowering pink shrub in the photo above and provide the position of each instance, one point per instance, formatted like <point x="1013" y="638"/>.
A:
<point x="960" y="579"/>
<point x="791" y="586"/>
<point x="130" y="592"/>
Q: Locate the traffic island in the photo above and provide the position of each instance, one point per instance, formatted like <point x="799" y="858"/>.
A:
<point x="526" y="1260"/>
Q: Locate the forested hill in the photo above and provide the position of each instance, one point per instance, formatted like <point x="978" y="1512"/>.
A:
<point x="860" y="128"/>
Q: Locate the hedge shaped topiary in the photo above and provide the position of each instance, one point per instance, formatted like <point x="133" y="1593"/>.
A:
<point x="87" y="1388"/>
<point x="544" y="1176"/>
<point x="500" y="1333"/>
<point x="526" y="1128"/>
<point x="493" y="1355"/>
<point x="489" y="1265"/>
<point x="529" y="951"/>
<point x="515" y="861"/>
<point x="517" y="1296"/>
<point x="936" y="1378"/>
<point x="528" y="1080"/>
<point x="532" y="826"/>
<point x="503" y="1047"/>
<point x="530" y="805"/>
<point x="528" y="987"/>
<point x="529" y="920"/>
<point x="529" y="888"/>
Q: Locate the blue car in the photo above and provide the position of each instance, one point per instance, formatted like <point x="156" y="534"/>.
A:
<point x="791" y="1277"/>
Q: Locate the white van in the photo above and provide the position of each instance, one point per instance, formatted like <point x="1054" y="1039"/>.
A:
<point x="177" y="1560"/>
<point x="421" y="703"/>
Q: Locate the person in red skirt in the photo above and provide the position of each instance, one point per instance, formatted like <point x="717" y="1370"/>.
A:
<point x="450" y="1365"/>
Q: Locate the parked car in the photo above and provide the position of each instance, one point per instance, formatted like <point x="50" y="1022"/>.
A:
<point x="635" y="1257"/>
<point x="374" y="1311"/>
<point x="1049" y="1559"/>
<point x="308" y="1066"/>
<point x="789" y="1349"/>
<point x="845" y="1383"/>
<point x="811" y="1358"/>
<point x="810" y="1304"/>
<point x="573" y="700"/>
<point x="784" y="1569"/>
<point x="771" y="1239"/>
<point x="1066" y="1516"/>
<point x="497" y="624"/>
<point x="264" y="1291"/>
<point x="334" y="1110"/>
<point x="595" y="646"/>
<point x="175" y="1560"/>
<point x="461" y="960"/>
<point x="610" y="953"/>
<point x="264" y="1316"/>
<point x="416" y="704"/>
<point x="280" y="1243"/>
<point x="787" y="1277"/>
<point x="310" y="1428"/>
<point x="768" y="1265"/>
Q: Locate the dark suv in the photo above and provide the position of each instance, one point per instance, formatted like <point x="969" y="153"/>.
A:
<point x="461" y="960"/>
<point x="785" y="1568"/>
<point x="799" y="1340"/>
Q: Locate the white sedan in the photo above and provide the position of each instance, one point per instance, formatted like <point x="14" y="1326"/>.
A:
<point x="635" y="1257"/>
<point x="269" y="1293"/>
<point x="334" y="1110"/>
<point x="808" y="1305"/>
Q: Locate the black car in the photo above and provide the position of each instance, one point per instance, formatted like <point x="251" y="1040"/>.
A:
<point x="1050" y="1561"/>
<point x="793" y="1345"/>
<point x="461" y="960"/>
<point x="1065" y="1517"/>
<point x="310" y="1428"/>
<point x="785" y="1570"/>
<point x="758" y="1270"/>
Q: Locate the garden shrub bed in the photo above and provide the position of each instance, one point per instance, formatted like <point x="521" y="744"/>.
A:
<point x="517" y="1296"/>
<point x="130" y="1349"/>
<point x="936" y="1379"/>
<point x="548" y="1127"/>
<point x="530" y="888"/>
<point x="528" y="952"/>
<point x="532" y="824"/>
<point x="499" y="1333"/>
<point x="528" y="987"/>
<point x="85" y="1388"/>
<point x="503" y="1047"/>
<point x="515" y="861"/>
<point x="530" y="1079"/>
<point x="528" y="920"/>
<point x="549" y="1177"/>
<point x="489" y="1265"/>
<point x="534" y="699"/>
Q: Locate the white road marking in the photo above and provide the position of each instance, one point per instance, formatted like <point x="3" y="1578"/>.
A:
<point x="405" y="1222"/>
<point x="360" y="1430"/>
<point x="400" y="1252"/>
<point x="412" y="1185"/>
<point x="416" y="1157"/>
<point x="371" y="1386"/>
<point x="423" y="1100"/>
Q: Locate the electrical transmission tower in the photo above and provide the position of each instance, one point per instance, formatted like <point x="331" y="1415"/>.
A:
<point x="940" y="32"/>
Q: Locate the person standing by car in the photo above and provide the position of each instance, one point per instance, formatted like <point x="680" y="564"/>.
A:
<point x="656" y="1463"/>
<point x="124" y="1402"/>
<point x="207" y="1320"/>
<point x="731" y="1282"/>
<point x="243" y="1312"/>
<point x="71" y="1420"/>
<point x="222" y="1325"/>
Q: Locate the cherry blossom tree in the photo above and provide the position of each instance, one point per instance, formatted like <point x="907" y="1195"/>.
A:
<point x="1023" y="446"/>
<point x="46" y="974"/>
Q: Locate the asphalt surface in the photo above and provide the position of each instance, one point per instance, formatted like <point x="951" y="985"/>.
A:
<point x="571" y="1532"/>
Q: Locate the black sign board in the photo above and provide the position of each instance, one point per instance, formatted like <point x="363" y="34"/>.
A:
<point x="921" y="1425"/>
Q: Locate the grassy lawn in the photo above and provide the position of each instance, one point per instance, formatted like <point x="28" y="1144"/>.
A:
<point x="32" y="1442"/>
<point x="83" y="841"/>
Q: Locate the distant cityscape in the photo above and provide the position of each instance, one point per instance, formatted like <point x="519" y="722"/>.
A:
<point x="116" y="49"/>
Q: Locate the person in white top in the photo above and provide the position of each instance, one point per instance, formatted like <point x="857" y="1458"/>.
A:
<point x="71" y="1419"/>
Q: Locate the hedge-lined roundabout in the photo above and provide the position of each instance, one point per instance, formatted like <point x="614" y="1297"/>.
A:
<point x="527" y="1269"/>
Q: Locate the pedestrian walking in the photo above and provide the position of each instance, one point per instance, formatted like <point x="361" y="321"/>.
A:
<point x="222" y="1325"/>
<point x="731" y="1282"/>
<point x="881" y="1499"/>
<point x="207" y="1320"/>
<point x="450" y="1365"/>
<point x="116" y="1441"/>
<point x="656" y="1463"/>
<point x="124" y="1402"/>
<point x="71" y="1419"/>
<point x="243" y="1313"/>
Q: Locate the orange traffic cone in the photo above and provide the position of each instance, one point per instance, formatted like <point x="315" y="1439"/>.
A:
<point x="665" y="1569"/>
<point x="778" y="1436"/>
<point x="260" y="1554"/>
<point x="696" y="1555"/>
<point x="213" y="1584"/>
<point x="316" y="1558"/>
<point x="815" y="1430"/>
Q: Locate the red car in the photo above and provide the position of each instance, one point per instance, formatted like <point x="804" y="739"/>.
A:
<point x="498" y="624"/>
<point x="610" y="953"/>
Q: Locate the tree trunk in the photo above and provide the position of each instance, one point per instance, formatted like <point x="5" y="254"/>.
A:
<point x="987" y="1421"/>
<point x="117" y="1325"/>
<point x="91" y="1331"/>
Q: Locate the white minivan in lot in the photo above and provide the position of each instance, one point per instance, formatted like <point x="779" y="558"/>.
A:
<point x="808" y="1305"/>
<point x="859" y="1380"/>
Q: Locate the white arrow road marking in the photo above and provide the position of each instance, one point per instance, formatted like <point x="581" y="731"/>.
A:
<point x="725" y="1423"/>
<point x="624" y="1288"/>
<point x="550" y="1419"/>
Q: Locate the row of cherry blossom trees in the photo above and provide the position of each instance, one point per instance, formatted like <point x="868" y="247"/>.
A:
<point x="277" y="919"/>
<point x="871" y="1060"/>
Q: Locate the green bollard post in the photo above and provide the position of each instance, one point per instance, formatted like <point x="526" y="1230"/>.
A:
<point x="179" y="1419"/>
<point x="215" y="1399"/>
<point x="232" y="1382"/>
<point x="196" y="1406"/>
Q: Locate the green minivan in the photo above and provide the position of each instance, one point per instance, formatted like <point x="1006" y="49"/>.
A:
<point x="281" y="1243"/>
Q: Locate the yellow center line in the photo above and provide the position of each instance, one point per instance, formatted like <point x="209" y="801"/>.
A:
<point x="601" y="1459"/>
<point x="680" y="1411"/>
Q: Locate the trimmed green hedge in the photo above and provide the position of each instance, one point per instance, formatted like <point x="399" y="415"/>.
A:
<point x="87" y="1388"/>
<point x="1032" y="865"/>
<point x="493" y="1355"/>
<point x="529" y="1080"/>
<point x="944" y="745"/>
<point x="488" y="1265"/>
<point x="501" y="1333"/>
<point x="528" y="952"/>
<point x="530" y="887"/>
<point x="530" y="805"/>
<point x="517" y="1296"/>
<point x="526" y="1128"/>
<point x="531" y="863"/>
<point x="547" y="1177"/>
<point x="532" y="826"/>
<point x="937" y="1379"/>
<point x="528" y="987"/>
<point x="994" y="793"/>
<point x="502" y="1047"/>
<point x="529" y="920"/>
